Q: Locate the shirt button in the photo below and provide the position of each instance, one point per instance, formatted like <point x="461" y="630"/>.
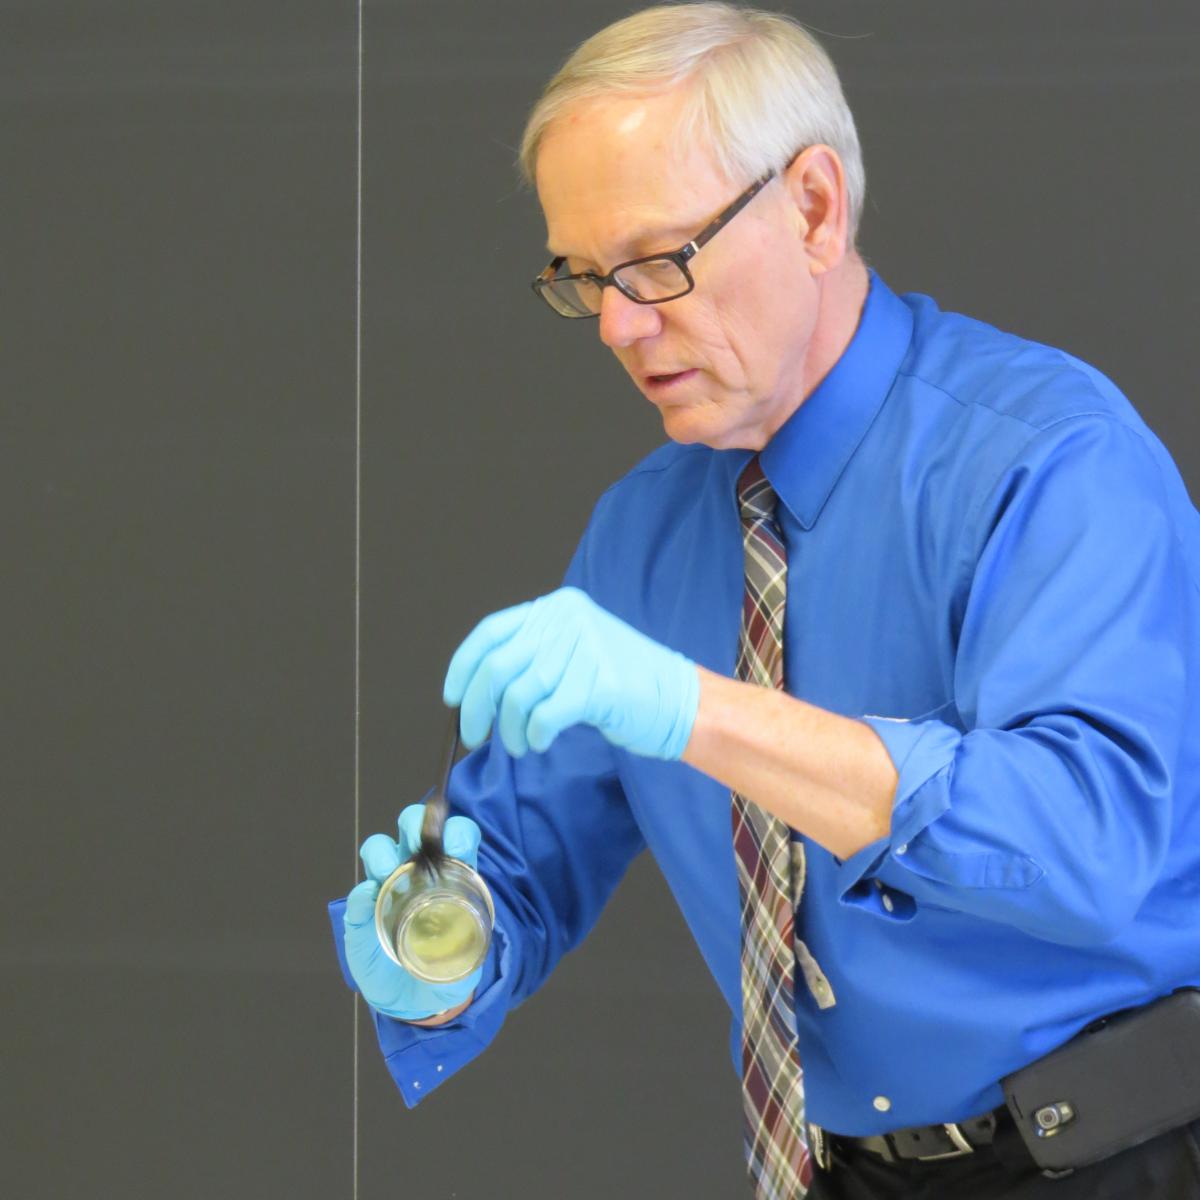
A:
<point x="902" y="849"/>
<point x="887" y="902"/>
<point x="882" y="1103"/>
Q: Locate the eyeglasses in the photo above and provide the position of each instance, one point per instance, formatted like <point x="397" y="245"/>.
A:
<point x="650" y="280"/>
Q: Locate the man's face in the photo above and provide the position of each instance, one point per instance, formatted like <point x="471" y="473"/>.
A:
<point x="604" y="176"/>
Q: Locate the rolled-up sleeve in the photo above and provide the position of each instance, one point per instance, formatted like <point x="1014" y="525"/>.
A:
<point x="1075" y="677"/>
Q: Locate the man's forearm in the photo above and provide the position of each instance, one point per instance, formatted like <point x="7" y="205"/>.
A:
<point x="828" y="776"/>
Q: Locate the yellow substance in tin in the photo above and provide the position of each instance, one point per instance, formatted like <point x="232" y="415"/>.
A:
<point x="444" y="939"/>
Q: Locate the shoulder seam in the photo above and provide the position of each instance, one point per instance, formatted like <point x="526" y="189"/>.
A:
<point x="1069" y="366"/>
<point x="1115" y="421"/>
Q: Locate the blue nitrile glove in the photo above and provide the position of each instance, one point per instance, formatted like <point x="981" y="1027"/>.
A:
<point x="560" y="660"/>
<point x="385" y="985"/>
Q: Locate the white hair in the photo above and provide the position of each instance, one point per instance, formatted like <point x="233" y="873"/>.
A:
<point x="760" y="89"/>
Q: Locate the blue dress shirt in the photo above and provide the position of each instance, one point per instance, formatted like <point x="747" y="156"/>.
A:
<point x="995" y="564"/>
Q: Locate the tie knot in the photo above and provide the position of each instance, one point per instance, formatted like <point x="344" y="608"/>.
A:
<point x="756" y="496"/>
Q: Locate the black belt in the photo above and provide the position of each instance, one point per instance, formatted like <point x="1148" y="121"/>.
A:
<point x="919" y="1143"/>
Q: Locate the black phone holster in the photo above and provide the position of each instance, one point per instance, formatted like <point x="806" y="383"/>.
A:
<point x="1124" y="1079"/>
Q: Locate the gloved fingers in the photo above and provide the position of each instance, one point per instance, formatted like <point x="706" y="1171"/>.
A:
<point x="492" y="631"/>
<point x="360" y="905"/>
<point x="409" y="824"/>
<point x="380" y="856"/>
<point x="567" y="705"/>
<point x="461" y="839"/>
<point x="494" y="674"/>
<point x="364" y="954"/>
<point x="528" y="689"/>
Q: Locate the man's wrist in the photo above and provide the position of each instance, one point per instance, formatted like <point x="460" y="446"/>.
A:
<point x="443" y="1018"/>
<point x="687" y="705"/>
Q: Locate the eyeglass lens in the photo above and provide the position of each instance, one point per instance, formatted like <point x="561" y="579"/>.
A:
<point x="654" y="280"/>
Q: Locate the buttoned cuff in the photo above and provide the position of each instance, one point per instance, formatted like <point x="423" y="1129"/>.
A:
<point x="420" y="1059"/>
<point x="923" y="755"/>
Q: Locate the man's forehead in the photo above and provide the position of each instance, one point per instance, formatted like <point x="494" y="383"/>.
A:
<point x="633" y="240"/>
<point x="628" y="217"/>
<point x="612" y="209"/>
<point x="629" y="188"/>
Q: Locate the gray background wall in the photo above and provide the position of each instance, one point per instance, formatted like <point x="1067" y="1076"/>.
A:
<point x="178" y="466"/>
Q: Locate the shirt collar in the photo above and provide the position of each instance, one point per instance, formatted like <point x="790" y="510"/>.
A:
<point x="809" y="452"/>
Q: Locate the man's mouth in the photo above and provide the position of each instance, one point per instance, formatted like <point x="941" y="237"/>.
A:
<point x="662" y="382"/>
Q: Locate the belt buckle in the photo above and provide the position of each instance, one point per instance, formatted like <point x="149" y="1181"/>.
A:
<point x="961" y="1145"/>
<point x="818" y="1145"/>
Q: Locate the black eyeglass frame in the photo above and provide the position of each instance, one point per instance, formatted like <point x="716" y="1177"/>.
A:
<point x="679" y="257"/>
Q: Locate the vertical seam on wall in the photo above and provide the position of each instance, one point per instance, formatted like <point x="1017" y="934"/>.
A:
<point x="357" y="523"/>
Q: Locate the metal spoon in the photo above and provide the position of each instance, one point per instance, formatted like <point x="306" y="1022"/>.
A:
<point x="433" y="825"/>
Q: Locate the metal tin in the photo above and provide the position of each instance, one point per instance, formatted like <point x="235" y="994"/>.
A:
<point x="411" y="900"/>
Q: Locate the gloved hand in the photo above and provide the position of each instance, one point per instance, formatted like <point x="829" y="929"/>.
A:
<point x="385" y="985"/>
<point x="561" y="659"/>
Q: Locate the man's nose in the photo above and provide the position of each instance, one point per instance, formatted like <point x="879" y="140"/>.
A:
<point x="624" y="321"/>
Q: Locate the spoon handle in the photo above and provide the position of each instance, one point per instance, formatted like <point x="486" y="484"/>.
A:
<point x="434" y="822"/>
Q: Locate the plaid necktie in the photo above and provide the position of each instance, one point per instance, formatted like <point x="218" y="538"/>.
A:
<point x="777" y="1154"/>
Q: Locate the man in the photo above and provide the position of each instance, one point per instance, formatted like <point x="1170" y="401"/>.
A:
<point x="927" y="801"/>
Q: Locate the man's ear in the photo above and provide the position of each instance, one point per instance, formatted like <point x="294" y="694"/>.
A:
<point x="816" y="185"/>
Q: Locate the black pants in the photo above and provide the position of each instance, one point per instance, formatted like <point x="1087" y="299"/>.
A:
<point x="1164" y="1168"/>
